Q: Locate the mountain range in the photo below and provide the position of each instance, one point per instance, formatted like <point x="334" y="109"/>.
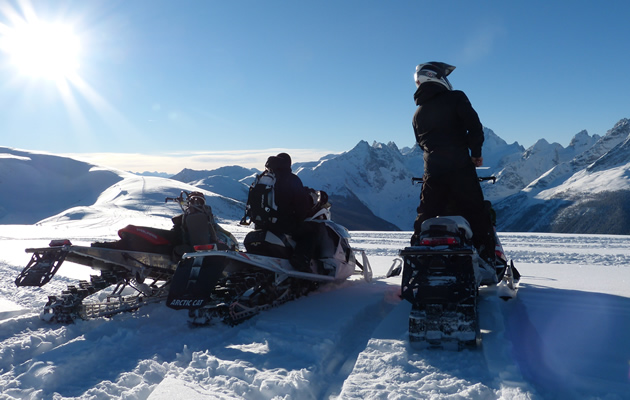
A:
<point x="583" y="188"/>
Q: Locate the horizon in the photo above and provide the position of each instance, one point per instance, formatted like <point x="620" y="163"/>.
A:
<point x="157" y="78"/>
<point x="171" y="163"/>
<point x="176" y="162"/>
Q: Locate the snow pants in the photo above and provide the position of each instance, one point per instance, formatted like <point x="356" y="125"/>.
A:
<point x="310" y="239"/>
<point x="458" y="192"/>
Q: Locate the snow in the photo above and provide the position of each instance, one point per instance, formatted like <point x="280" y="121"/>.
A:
<point x="564" y="336"/>
<point x="609" y="180"/>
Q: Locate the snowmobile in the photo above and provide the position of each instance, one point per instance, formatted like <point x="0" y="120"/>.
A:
<point x="231" y="286"/>
<point x="442" y="274"/>
<point x="144" y="260"/>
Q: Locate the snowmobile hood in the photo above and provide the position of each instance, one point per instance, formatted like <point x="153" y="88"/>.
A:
<point x="427" y="91"/>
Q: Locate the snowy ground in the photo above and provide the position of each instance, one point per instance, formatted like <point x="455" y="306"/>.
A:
<point x="566" y="336"/>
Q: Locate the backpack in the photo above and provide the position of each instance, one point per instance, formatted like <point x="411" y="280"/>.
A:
<point x="261" y="208"/>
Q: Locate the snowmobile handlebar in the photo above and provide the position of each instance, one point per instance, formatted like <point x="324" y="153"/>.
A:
<point x="180" y="199"/>
<point x="415" y="180"/>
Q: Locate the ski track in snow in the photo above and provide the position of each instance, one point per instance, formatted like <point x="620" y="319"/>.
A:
<point x="347" y="341"/>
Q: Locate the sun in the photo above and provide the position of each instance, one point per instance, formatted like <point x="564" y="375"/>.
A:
<point x="42" y="50"/>
<point x="45" y="63"/>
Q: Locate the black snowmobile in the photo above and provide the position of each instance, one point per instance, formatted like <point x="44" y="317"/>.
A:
<point x="144" y="260"/>
<point x="230" y="286"/>
<point x="441" y="279"/>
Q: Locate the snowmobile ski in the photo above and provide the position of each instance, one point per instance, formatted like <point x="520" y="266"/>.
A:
<point x="507" y="288"/>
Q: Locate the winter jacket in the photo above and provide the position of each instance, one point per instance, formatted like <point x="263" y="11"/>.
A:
<point x="447" y="128"/>
<point x="291" y="196"/>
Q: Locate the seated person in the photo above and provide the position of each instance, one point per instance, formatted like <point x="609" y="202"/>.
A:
<point x="285" y="209"/>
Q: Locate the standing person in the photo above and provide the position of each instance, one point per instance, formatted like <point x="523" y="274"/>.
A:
<point x="449" y="131"/>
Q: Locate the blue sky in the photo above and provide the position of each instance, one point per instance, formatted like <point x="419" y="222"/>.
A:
<point x="162" y="85"/>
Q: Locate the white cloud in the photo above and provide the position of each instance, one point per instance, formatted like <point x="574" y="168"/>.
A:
<point x="481" y="43"/>
<point x="172" y="163"/>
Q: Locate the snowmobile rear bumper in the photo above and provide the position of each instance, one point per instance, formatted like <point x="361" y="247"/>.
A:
<point x="431" y="276"/>
<point x="119" y="268"/>
<point x="45" y="263"/>
<point x="442" y="287"/>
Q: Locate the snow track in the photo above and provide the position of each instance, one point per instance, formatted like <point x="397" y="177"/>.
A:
<point x="564" y="336"/>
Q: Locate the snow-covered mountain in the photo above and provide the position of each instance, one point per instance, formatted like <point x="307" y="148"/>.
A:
<point x="365" y="183"/>
<point x="34" y="186"/>
<point x="231" y="181"/>
<point x="588" y="193"/>
<point x="581" y="188"/>
<point x="48" y="189"/>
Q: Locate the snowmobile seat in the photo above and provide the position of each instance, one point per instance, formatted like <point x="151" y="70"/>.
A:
<point x="452" y="224"/>
<point x="267" y="243"/>
<point x="143" y="239"/>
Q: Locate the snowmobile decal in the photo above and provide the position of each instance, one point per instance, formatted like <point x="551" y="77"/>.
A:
<point x="185" y="303"/>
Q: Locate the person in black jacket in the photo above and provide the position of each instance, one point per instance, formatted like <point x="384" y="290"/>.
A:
<point x="294" y="206"/>
<point x="291" y="196"/>
<point x="449" y="131"/>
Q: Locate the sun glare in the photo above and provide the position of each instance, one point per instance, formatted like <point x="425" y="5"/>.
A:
<point x="42" y="62"/>
<point x="43" y="50"/>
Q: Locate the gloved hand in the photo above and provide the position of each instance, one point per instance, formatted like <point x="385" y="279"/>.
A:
<point x="478" y="161"/>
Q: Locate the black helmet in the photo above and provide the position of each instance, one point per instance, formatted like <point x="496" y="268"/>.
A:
<point x="196" y="199"/>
